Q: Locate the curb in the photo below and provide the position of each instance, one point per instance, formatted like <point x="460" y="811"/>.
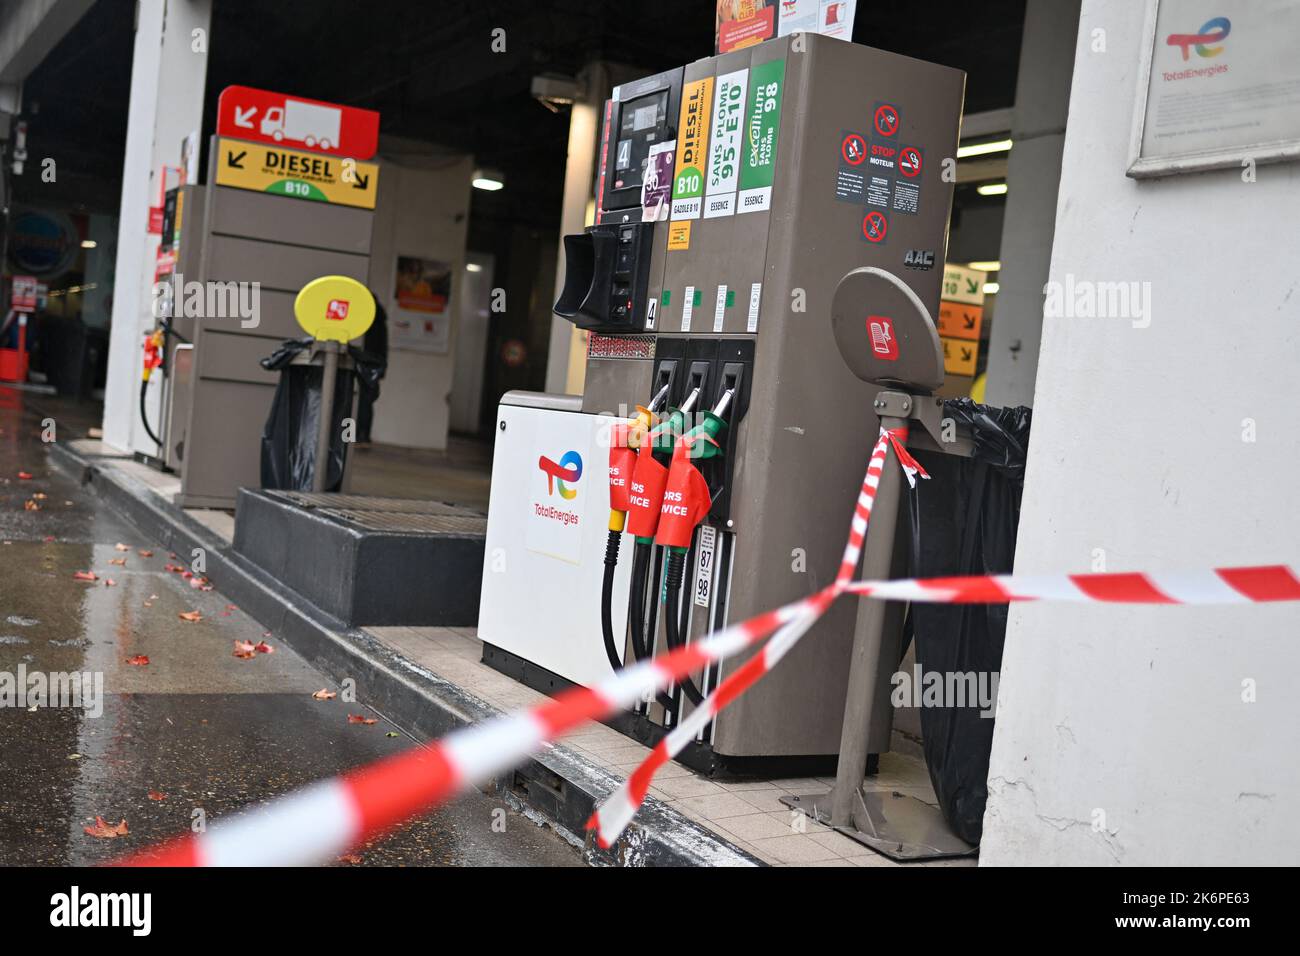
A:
<point x="561" y="785"/>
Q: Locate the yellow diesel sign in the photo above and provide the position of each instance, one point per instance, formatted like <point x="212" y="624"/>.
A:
<point x="288" y="172"/>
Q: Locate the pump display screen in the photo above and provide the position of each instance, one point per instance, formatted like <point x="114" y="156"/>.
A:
<point x="642" y="123"/>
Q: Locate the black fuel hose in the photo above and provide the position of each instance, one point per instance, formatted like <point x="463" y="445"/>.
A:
<point x="674" y="611"/>
<point x="607" y="599"/>
<point x="144" y="415"/>
<point x="640" y="569"/>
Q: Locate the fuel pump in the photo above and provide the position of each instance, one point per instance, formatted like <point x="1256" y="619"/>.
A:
<point x="155" y="357"/>
<point x="732" y="195"/>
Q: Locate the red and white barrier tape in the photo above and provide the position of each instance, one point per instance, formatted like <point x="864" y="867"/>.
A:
<point x="617" y="810"/>
<point x="1265" y="583"/>
<point x="321" y="821"/>
<point x="315" y="824"/>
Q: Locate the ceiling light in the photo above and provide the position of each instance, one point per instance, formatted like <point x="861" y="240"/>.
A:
<point x="988" y="265"/>
<point x="991" y="288"/>
<point x="88" y="243"/>
<point x="473" y="267"/>
<point x="992" y="189"/>
<point x="489" y="179"/>
<point x="983" y="149"/>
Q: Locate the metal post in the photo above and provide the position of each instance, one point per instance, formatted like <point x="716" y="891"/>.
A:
<point x="877" y="555"/>
<point x="320" y="466"/>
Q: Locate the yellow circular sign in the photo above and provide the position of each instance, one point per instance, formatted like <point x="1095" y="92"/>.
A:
<point x="334" y="308"/>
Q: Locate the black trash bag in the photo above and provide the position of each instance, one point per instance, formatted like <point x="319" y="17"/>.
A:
<point x="289" y="438"/>
<point x="963" y="521"/>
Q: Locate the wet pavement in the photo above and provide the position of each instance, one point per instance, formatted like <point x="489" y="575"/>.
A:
<point x="196" y="732"/>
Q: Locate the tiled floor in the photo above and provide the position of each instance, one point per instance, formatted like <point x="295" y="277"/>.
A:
<point x="748" y="813"/>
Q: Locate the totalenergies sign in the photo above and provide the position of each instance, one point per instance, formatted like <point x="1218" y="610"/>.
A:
<point x="294" y="121"/>
<point x="560" y="474"/>
<point x="1212" y="31"/>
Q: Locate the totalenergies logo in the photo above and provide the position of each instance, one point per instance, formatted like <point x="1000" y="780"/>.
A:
<point x="1212" y="31"/>
<point x="560" y="474"/>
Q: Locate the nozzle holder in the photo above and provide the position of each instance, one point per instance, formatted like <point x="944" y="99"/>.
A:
<point x="884" y="332"/>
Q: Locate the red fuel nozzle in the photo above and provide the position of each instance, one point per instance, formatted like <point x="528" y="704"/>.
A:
<point x="686" y="500"/>
<point x="624" y="440"/>
<point x="153" y="355"/>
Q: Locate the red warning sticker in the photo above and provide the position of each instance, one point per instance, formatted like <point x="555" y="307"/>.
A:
<point x="853" y="149"/>
<point x="874" y="226"/>
<point x="909" y="162"/>
<point x="883" y="343"/>
<point x="886" y="119"/>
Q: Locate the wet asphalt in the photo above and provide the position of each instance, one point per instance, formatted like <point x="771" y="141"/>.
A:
<point x="194" y="734"/>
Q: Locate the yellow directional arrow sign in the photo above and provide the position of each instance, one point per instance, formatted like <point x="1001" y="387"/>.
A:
<point x="288" y="172"/>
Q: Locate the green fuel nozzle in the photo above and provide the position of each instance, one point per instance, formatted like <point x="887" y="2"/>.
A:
<point x="702" y="440"/>
<point x="665" y="436"/>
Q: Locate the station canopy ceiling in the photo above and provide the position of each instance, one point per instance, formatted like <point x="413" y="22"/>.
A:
<point x="428" y="68"/>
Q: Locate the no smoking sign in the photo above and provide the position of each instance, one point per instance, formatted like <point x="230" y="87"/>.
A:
<point x="909" y="162"/>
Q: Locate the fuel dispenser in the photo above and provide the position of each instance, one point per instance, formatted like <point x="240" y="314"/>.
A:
<point x="733" y="196"/>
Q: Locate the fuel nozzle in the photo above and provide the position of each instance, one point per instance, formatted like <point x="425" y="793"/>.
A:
<point x="625" y="439"/>
<point x="702" y="440"/>
<point x="664" y="438"/>
<point x="638" y="426"/>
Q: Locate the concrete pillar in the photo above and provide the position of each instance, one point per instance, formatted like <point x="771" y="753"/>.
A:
<point x="168" y="72"/>
<point x="579" y="175"/>
<point x="1033" y="171"/>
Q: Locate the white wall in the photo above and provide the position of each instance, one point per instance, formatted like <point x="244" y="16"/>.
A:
<point x="423" y="211"/>
<point x="1137" y="454"/>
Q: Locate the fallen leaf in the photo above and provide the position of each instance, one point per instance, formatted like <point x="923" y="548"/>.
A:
<point x="324" y="694"/>
<point x="174" y="567"/>
<point x="74" y="756"/>
<point x="245" y="649"/>
<point x="392" y="733"/>
<point x="85" y="576"/>
<point x="109" y="583"/>
<point x="264" y="648"/>
<point x="358" y="719"/>
<point x="145" y="554"/>
<point x="121" y="547"/>
<point x="155" y="795"/>
<point x="190" y="616"/>
<point x="49" y="538"/>
<point x="140" y="660"/>
<point x="24" y="476"/>
<point x="121" y="562"/>
<point x="40" y="495"/>
<point x="31" y="506"/>
<point x="103" y="830"/>
<point x="349" y="858"/>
